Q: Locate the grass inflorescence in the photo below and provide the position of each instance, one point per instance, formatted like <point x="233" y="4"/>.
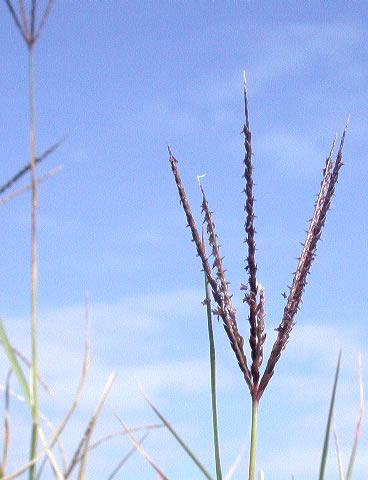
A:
<point x="254" y="296"/>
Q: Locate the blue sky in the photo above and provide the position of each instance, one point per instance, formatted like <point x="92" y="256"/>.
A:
<point x="122" y="80"/>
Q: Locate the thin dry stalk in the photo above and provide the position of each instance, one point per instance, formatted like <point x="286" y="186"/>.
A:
<point x="84" y="443"/>
<point x="120" y="433"/>
<point x="84" y="374"/>
<point x="51" y="173"/>
<point x="123" y="461"/>
<point x="27" y="362"/>
<point x="236" y="463"/>
<point x="142" y="451"/>
<point x="221" y="297"/>
<point x="27" y="168"/>
<point x="53" y="462"/>
<point x="27" y="31"/>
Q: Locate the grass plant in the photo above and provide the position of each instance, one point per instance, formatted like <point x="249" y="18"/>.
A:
<point x="30" y="24"/>
<point x="254" y="297"/>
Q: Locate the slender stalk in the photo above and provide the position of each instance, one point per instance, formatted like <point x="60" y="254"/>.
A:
<point x="34" y="265"/>
<point x="213" y="381"/>
<point x="253" y="440"/>
<point x="322" y="467"/>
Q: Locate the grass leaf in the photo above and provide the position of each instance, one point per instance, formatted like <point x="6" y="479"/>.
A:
<point x="178" y="438"/>
<point x="17" y="369"/>
<point x="329" y="422"/>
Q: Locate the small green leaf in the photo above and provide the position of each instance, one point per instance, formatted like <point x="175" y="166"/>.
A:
<point x="14" y="362"/>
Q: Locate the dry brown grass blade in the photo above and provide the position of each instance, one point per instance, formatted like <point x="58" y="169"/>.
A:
<point x="84" y="443"/>
<point x="142" y="451"/>
<point x="28" y="167"/>
<point x="123" y="461"/>
<point x="26" y="188"/>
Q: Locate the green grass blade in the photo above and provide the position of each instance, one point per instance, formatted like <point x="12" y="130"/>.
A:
<point x="17" y="369"/>
<point x="329" y="422"/>
<point x="349" y="474"/>
<point x="213" y="381"/>
<point x="178" y="438"/>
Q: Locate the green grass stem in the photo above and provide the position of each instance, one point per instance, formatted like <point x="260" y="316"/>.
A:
<point x="213" y="381"/>
<point x="253" y="440"/>
<point x="329" y="422"/>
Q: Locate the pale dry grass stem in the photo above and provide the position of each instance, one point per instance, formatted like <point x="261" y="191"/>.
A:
<point x="138" y="446"/>
<point x="15" y="178"/>
<point x="83" y="447"/>
<point x="126" y="457"/>
<point x="30" y="32"/>
<point x="17" y="193"/>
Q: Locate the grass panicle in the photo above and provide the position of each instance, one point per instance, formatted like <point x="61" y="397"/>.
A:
<point x="254" y="291"/>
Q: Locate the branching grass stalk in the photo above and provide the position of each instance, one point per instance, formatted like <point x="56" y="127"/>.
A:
<point x="213" y="381"/>
<point x="253" y="440"/>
